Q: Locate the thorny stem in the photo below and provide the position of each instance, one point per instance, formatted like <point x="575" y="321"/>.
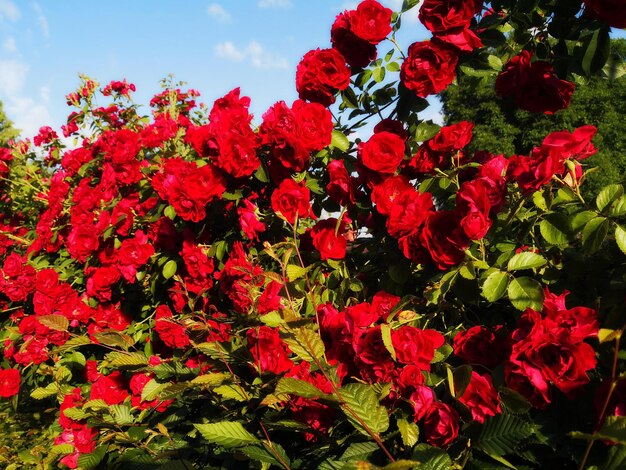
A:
<point x="271" y="447"/>
<point x="600" y="421"/>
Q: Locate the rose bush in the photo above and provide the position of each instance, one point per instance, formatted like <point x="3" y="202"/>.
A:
<point x="190" y="289"/>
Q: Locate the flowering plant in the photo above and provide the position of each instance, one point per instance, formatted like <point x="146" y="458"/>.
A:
<point x="189" y="290"/>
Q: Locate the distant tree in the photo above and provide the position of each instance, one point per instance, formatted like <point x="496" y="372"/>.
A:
<point x="7" y="131"/>
<point x="503" y="128"/>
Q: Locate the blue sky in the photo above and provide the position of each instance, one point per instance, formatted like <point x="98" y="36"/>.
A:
<point x="214" y="46"/>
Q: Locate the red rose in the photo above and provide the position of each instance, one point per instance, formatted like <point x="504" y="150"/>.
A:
<point x="429" y="68"/>
<point x="410" y="377"/>
<point x="416" y="346"/>
<point x="270" y="353"/>
<point x="320" y="74"/>
<point x="279" y="131"/>
<point x="9" y="382"/>
<point x="291" y="200"/>
<point x="422" y="399"/>
<point x="452" y="138"/>
<point x="441" y="424"/>
<point x="358" y="52"/>
<point x="383" y="152"/>
<point x="362" y="315"/>
<point x="534" y="85"/>
<point x="391" y="125"/>
<point x="444" y="239"/>
<point x="372" y="357"/>
<point x="408" y="212"/>
<point x="443" y="16"/>
<point x="170" y="332"/>
<point x="481" y="397"/>
<point x="100" y="281"/>
<point x="371" y="21"/>
<point x="110" y="388"/>
<point x="314" y="124"/>
<point x="472" y="207"/>
<point x="612" y="12"/>
<point x="481" y="346"/>
<point x="385" y="193"/>
<point x="341" y="187"/>
<point x="329" y="242"/>
<point x="251" y="226"/>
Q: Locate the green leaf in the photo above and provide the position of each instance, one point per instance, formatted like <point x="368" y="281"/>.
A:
<point x="226" y="434"/>
<point x="305" y="343"/>
<point x="525" y="292"/>
<point x="54" y="322"/>
<point x="232" y="392"/>
<point x="263" y="453"/>
<point x="121" y="415"/>
<point x="408" y="4"/>
<point x="462" y="377"/>
<point x="393" y="66"/>
<point x="45" y="392"/>
<point x="339" y="141"/>
<point x="555" y="229"/>
<point x="495" y="285"/>
<point x="409" y="431"/>
<point x="620" y="238"/>
<point x="514" y="401"/>
<point x="301" y="388"/>
<point x="402" y="465"/>
<point x="618" y="207"/>
<point x="378" y="74"/>
<point x="152" y="389"/>
<point x="581" y="219"/>
<point x="295" y="272"/>
<point x="608" y="195"/>
<point x="616" y="458"/>
<point x="130" y="359"/>
<point x="169" y="269"/>
<point x="170" y="212"/>
<point x="431" y="458"/>
<point x="494" y="62"/>
<point x="361" y="406"/>
<point x="594" y="234"/>
<point x="526" y="260"/>
<point x="62" y="449"/>
<point x="212" y="379"/>
<point x="385" y="332"/>
<point x="501" y="434"/>
<point x="92" y="460"/>
<point x="426" y="130"/>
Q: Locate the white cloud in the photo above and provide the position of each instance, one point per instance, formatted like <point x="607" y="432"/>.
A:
<point x="217" y="12"/>
<point x="8" y="10"/>
<point x="8" y="45"/>
<point x="274" y="3"/>
<point x="42" y="20"/>
<point x="44" y="93"/>
<point x="227" y="50"/>
<point x="27" y="115"/>
<point x="12" y="75"/>
<point x="254" y="53"/>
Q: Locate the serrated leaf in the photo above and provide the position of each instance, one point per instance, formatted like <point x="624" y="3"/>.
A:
<point x="152" y="389"/>
<point x="232" y="392"/>
<point x="607" y="195"/>
<point x="226" y="434"/>
<point x="339" y="141"/>
<point x="581" y="219"/>
<point x="301" y="388"/>
<point x="169" y="269"/>
<point x="555" y="229"/>
<point x="525" y="292"/>
<point x="114" y="338"/>
<point x="620" y="238"/>
<point x="495" y="285"/>
<point x="618" y="207"/>
<point x="54" y="322"/>
<point x="501" y="434"/>
<point x="122" y="415"/>
<point x="431" y="458"/>
<point x="295" y="272"/>
<point x="45" y="392"/>
<point x="595" y="233"/>
<point x="274" y="454"/>
<point x="74" y="413"/>
<point x="385" y="332"/>
<point x="212" y="379"/>
<point x="359" y="450"/>
<point x="361" y="407"/>
<point x="62" y="449"/>
<point x="131" y="359"/>
<point x="409" y="432"/>
<point x="462" y="377"/>
<point x="514" y="401"/>
<point x="426" y="130"/>
<point x="526" y="260"/>
<point x="92" y="460"/>
<point x="305" y="343"/>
